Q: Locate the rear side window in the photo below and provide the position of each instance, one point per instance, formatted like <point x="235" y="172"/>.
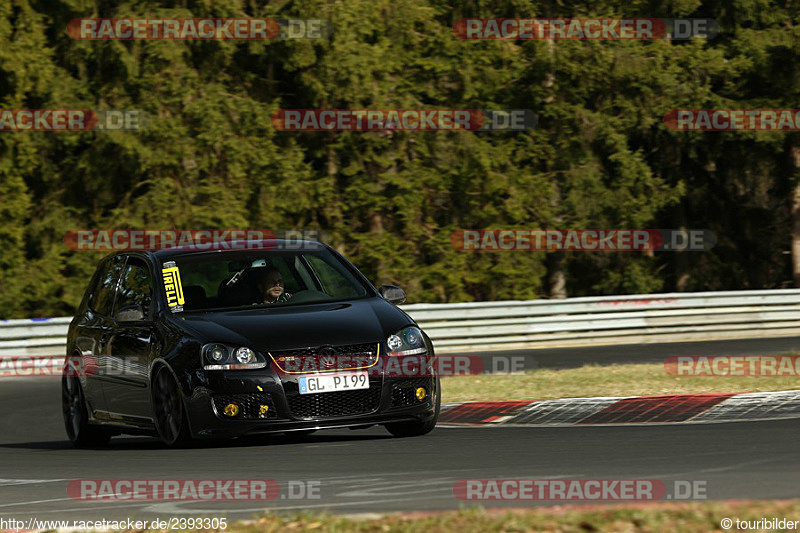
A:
<point x="102" y="300"/>
<point x="135" y="289"/>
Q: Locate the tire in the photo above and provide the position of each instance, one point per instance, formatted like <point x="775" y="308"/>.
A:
<point x="76" y="417"/>
<point x="168" y="411"/>
<point x="417" y="429"/>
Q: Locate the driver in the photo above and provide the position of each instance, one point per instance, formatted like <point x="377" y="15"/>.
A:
<point x="270" y="286"/>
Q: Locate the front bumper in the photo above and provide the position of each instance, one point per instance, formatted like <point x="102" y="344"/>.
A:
<point x="386" y="401"/>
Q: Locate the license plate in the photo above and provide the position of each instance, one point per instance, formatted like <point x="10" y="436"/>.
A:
<point x="333" y="382"/>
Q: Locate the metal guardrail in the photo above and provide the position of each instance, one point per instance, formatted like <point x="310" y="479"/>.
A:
<point x="477" y="326"/>
<point x="37" y="336"/>
<point x="632" y="319"/>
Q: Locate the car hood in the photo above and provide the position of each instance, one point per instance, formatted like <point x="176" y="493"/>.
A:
<point x="351" y="322"/>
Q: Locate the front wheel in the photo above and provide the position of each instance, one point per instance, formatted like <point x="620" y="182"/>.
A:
<point x="76" y="417"/>
<point x="170" y="416"/>
<point x="416" y="429"/>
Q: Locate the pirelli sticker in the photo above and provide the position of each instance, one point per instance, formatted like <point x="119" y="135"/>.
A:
<point x="173" y="286"/>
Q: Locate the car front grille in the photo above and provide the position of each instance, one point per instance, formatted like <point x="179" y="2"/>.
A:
<point x="326" y="358"/>
<point x="344" y="349"/>
<point x="249" y="406"/>
<point x="334" y="404"/>
<point x="404" y="393"/>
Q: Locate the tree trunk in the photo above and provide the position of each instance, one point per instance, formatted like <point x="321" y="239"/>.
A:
<point x="682" y="267"/>
<point x="558" y="278"/>
<point x="796" y="219"/>
<point x="796" y="236"/>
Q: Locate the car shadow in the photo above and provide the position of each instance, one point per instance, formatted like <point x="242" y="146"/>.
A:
<point x="150" y="443"/>
<point x="46" y="445"/>
<point x="284" y="440"/>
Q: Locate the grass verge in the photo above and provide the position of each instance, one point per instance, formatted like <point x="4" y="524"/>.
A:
<point x="592" y="381"/>
<point x="691" y="517"/>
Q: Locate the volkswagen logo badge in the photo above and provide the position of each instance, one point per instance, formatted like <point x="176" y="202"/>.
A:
<point x="328" y="357"/>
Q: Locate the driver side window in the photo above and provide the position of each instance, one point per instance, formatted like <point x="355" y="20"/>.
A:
<point x="135" y="296"/>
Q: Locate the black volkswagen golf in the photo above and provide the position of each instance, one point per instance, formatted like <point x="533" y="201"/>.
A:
<point x="277" y="337"/>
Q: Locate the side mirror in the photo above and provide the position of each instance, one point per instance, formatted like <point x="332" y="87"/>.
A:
<point x="133" y="313"/>
<point x="392" y="293"/>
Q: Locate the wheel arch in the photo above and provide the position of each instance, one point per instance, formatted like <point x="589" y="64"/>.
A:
<point x="156" y="367"/>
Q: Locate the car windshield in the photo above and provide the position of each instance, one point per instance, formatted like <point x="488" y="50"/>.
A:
<point x="233" y="280"/>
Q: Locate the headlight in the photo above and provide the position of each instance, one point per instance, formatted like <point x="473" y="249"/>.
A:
<point x="394" y="343"/>
<point x="245" y="355"/>
<point x="408" y="341"/>
<point x="217" y="353"/>
<point x="217" y="356"/>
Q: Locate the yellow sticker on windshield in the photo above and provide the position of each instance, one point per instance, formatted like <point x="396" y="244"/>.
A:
<point x="173" y="286"/>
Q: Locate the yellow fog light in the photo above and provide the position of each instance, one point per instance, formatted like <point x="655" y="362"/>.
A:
<point x="231" y="409"/>
<point x="262" y="411"/>
<point x="421" y="393"/>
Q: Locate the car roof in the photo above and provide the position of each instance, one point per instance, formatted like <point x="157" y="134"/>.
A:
<point x="260" y="245"/>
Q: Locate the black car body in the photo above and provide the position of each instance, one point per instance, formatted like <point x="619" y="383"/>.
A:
<point x="180" y="346"/>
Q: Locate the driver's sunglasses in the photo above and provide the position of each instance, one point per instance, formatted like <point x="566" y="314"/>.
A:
<point x="272" y="282"/>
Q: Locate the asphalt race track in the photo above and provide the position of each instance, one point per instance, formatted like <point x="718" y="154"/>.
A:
<point x="368" y="471"/>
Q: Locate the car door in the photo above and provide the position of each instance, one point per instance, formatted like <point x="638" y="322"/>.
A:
<point x="127" y="388"/>
<point x="95" y="330"/>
